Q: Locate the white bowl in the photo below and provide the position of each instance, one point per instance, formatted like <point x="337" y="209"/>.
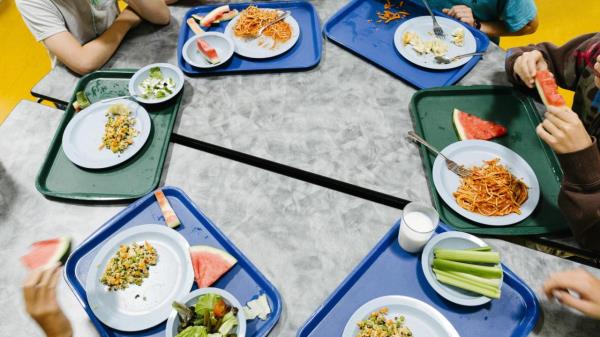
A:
<point x="222" y="44"/>
<point x="192" y="298"/>
<point x="452" y="240"/>
<point x="168" y="70"/>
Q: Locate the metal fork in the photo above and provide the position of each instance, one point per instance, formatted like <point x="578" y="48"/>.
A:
<point x="260" y="32"/>
<point x="459" y="170"/>
<point x="437" y="29"/>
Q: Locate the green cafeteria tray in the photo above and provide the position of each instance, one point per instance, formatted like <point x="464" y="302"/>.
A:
<point x="60" y="178"/>
<point x="431" y="112"/>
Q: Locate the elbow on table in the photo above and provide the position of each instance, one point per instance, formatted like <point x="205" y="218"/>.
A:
<point x="163" y="19"/>
<point x="83" y="67"/>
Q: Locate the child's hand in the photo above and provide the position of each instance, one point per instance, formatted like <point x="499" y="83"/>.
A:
<point x="462" y="13"/>
<point x="563" y="131"/>
<point x="130" y="16"/>
<point x="39" y="291"/>
<point x="579" y="281"/>
<point x="528" y="64"/>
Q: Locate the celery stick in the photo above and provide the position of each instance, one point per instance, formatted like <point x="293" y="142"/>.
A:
<point x="494" y="282"/>
<point x="457" y="282"/>
<point x="481" y="249"/>
<point x="467" y="256"/>
<point x="483" y="271"/>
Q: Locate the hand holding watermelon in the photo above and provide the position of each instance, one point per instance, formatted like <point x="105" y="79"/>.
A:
<point x="563" y="131"/>
<point x="528" y="64"/>
<point x="39" y="292"/>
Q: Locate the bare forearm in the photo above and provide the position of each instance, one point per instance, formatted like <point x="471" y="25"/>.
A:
<point x="100" y="50"/>
<point x="154" y="11"/>
<point x="498" y="28"/>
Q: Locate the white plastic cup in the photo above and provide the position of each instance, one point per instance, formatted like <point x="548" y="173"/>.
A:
<point x="418" y="224"/>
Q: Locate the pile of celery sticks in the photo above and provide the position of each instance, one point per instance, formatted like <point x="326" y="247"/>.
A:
<point x="475" y="269"/>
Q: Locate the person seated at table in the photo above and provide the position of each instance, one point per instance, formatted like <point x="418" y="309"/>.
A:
<point x="39" y="293"/>
<point x="561" y="287"/>
<point x="84" y="34"/>
<point x="572" y="135"/>
<point x="493" y="17"/>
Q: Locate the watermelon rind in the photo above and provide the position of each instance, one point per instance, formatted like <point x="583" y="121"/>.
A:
<point x="223" y="254"/>
<point x="460" y="131"/>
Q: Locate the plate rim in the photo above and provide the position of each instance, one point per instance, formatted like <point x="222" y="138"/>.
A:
<point x="70" y="152"/>
<point x="229" y="33"/>
<point x="109" y="246"/>
<point x="400" y="299"/>
<point x="496" y="221"/>
<point x="400" y="48"/>
<point x="477" y="300"/>
<point x="241" y="316"/>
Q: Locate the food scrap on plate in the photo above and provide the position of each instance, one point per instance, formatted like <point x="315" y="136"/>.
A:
<point x="156" y="85"/>
<point x="130" y="265"/>
<point x="378" y="324"/>
<point x="253" y="19"/>
<point x="119" y="129"/>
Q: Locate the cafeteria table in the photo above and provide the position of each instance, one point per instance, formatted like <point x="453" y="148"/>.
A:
<point x="296" y="233"/>
<point x="341" y="125"/>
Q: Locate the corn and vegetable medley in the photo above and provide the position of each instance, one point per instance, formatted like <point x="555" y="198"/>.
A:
<point x="378" y="325"/>
<point x="130" y="265"/>
<point x="118" y="130"/>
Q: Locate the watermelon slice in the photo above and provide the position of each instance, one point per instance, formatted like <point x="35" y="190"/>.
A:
<point x="194" y="26"/>
<point x="548" y="90"/>
<point x="44" y="254"/>
<point x="225" y="17"/>
<point x="209" y="53"/>
<point x="472" y="127"/>
<point x="210" y="264"/>
<point x="170" y="217"/>
<point x="214" y="15"/>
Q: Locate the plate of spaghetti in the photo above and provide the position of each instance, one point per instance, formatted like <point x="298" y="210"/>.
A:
<point x="275" y="40"/>
<point x="502" y="189"/>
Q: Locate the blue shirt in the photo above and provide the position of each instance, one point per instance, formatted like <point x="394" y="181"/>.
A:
<point x="514" y="13"/>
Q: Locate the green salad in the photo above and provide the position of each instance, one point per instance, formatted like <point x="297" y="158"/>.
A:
<point x="156" y="85"/>
<point x="210" y="317"/>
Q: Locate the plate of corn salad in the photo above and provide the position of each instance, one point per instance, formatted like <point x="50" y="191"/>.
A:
<point x="398" y="316"/>
<point x="106" y="134"/>
<point x="137" y="274"/>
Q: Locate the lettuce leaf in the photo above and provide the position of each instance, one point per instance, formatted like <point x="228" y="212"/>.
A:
<point x="228" y="324"/>
<point x="193" y="331"/>
<point x="156" y="73"/>
<point x="206" y="303"/>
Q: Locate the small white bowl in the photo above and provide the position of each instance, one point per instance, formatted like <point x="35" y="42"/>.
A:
<point x="452" y="240"/>
<point x="192" y="298"/>
<point x="168" y="70"/>
<point x="222" y="44"/>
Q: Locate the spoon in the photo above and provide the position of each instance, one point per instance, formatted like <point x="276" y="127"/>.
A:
<point x="445" y="60"/>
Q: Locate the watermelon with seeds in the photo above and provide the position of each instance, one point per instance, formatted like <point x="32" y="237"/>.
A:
<point x="471" y="127"/>
<point x="44" y="254"/>
<point x="210" y="264"/>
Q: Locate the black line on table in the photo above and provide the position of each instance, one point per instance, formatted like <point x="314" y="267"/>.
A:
<point x="292" y="172"/>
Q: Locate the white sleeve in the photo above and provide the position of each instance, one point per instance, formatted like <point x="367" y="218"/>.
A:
<point x="41" y="17"/>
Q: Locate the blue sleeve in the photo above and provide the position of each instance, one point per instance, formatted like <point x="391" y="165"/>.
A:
<point x="518" y="13"/>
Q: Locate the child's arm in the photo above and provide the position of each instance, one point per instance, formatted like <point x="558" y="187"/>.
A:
<point x="154" y="11"/>
<point x="86" y="58"/>
<point x="561" y="61"/>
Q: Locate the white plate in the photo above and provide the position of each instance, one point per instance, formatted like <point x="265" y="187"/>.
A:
<point x="222" y="44"/>
<point x="167" y="69"/>
<point x="191" y="299"/>
<point x="423" y="27"/>
<point x="421" y="318"/>
<point x="83" y="136"/>
<point x="472" y="153"/>
<point x="141" y="307"/>
<point x="452" y="240"/>
<point x="251" y="48"/>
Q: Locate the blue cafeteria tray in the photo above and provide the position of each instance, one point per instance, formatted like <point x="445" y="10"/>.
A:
<point x="244" y="281"/>
<point x="374" y="42"/>
<point x="389" y="270"/>
<point x="305" y="54"/>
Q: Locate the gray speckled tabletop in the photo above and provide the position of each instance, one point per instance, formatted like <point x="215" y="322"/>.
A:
<point x="297" y="234"/>
<point x="344" y="119"/>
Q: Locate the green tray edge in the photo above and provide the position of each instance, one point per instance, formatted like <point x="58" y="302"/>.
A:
<point x="68" y="113"/>
<point x="427" y="165"/>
